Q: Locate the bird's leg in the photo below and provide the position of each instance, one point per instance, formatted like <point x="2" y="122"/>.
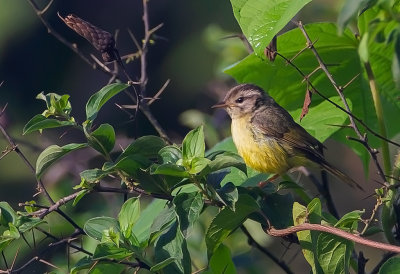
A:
<point x="262" y="184"/>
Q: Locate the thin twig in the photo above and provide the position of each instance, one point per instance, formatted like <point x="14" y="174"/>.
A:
<point x="60" y="38"/>
<point x="374" y="211"/>
<point x="155" y="97"/>
<point x="4" y="258"/>
<point x="339" y="90"/>
<point x="41" y="187"/>
<point x="143" y="60"/>
<point x="254" y="243"/>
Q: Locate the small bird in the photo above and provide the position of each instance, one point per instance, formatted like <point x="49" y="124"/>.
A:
<point x="267" y="137"/>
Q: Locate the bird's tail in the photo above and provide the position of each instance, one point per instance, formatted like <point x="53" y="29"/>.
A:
<point x="340" y="175"/>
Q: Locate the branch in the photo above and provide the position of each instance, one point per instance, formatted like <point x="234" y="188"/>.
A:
<point x="339" y="90"/>
<point x="60" y="38"/>
<point x="332" y="230"/>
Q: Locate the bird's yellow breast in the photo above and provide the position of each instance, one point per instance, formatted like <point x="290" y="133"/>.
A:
<point x="259" y="152"/>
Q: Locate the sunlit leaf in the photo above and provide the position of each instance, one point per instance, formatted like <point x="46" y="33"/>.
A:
<point x="102" y="139"/>
<point x="97" y="100"/>
<point x="52" y="154"/>
<point x="39" y="122"/>
<point x="128" y="216"/>
<point x="94" y="227"/>
<point x="260" y="21"/>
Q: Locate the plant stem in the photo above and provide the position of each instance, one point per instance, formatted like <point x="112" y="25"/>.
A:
<point x="388" y="216"/>
<point x="379" y="114"/>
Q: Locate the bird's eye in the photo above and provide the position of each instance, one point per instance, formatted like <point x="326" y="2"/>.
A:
<point x="239" y="100"/>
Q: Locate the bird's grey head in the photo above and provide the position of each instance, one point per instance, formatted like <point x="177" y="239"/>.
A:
<point x="243" y="99"/>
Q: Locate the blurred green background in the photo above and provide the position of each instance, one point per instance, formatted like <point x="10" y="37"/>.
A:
<point x="189" y="49"/>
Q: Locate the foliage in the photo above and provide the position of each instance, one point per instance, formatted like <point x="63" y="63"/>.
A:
<point x="185" y="180"/>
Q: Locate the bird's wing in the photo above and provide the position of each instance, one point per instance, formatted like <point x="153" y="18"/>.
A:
<point x="277" y="123"/>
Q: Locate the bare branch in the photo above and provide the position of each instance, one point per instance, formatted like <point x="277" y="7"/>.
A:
<point x="339" y="90"/>
<point x="155" y="97"/>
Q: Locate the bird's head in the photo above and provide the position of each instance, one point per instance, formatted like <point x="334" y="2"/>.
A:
<point x="243" y="100"/>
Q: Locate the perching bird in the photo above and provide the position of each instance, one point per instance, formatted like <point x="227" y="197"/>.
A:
<point x="267" y="137"/>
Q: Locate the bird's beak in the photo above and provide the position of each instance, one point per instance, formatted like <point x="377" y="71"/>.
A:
<point x="220" y="105"/>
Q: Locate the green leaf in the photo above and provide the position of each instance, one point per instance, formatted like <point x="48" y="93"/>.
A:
<point x="172" y="244"/>
<point x="93" y="175"/>
<point x="130" y="164"/>
<point x="322" y="115"/>
<point x="229" y="195"/>
<point x="8" y="236"/>
<point x="225" y="145"/>
<point x="391" y="266"/>
<point x="332" y="49"/>
<point x="260" y="21"/>
<point x="227" y="221"/>
<point x="83" y="263"/>
<point x="170" y="154"/>
<point x="12" y="232"/>
<point x="94" y="227"/>
<point x="110" y="251"/>
<point x="350" y="219"/>
<point x="111" y="236"/>
<point x="363" y="48"/>
<point x="52" y="154"/>
<point x="129" y="215"/>
<point x="161" y="265"/>
<point x="237" y="175"/>
<point x="7" y="214"/>
<point x="372" y="230"/>
<point x="4" y="242"/>
<point x="97" y="100"/>
<point x="39" y="122"/>
<point x="105" y="268"/>
<point x="146" y="219"/>
<point x="221" y="261"/>
<point x="227" y="159"/>
<point x="299" y="190"/>
<point x="193" y="145"/>
<point x="162" y="222"/>
<point x="198" y="164"/>
<point x="102" y="139"/>
<point x="278" y="209"/>
<point x="396" y="60"/>
<point x="308" y="239"/>
<point x="154" y="183"/>
<point x="188" y="207"/>
<point x="57" y="105"/>
<point x="172" y="170"/>
<point x="81" y="194"/>
<point x="333" y="253"/>
<point x="25" y="223"/>
<point x="349" y="11"/>
<point x="146" y="146"/>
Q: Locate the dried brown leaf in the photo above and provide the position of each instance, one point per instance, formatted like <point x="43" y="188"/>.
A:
<point x="306" y="104"/>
